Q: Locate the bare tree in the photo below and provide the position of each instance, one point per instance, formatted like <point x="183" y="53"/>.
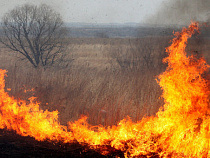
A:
<point x="35" y="32"/>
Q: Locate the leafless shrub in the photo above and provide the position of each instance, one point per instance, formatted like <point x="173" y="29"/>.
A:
<point x="37" y="33"/>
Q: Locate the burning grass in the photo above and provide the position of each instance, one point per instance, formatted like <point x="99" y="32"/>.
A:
<point x="179" y="129"/>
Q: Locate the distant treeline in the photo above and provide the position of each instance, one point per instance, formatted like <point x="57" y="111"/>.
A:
<point x="119" y="32"/>
<point x="123" y="32"/>
<point x="106" y="31"/>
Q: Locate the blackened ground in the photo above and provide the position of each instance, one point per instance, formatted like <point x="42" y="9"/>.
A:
<point x="13" y="145"/>
<point x="16" y="146"/>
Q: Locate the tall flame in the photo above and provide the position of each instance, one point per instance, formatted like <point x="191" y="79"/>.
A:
<point x="180" y="128"/>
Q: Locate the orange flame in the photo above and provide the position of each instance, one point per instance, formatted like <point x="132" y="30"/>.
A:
<point x="28" y="119"/>
<point x="180" y="128"/>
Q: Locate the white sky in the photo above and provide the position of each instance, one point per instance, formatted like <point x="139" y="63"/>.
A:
<point x="95" y="11"/>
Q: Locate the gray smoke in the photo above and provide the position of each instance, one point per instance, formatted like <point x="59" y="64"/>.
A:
<point x="182" y="12"/>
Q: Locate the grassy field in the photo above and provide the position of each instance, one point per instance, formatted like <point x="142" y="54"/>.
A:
<point x="105" y="79"/>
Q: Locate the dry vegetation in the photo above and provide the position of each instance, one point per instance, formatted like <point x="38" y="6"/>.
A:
<point x="106" y="79"/>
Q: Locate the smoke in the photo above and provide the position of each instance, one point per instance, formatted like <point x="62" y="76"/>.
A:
<point x="181" y="12"/>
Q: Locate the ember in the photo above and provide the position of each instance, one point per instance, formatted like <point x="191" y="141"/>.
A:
<point x="180" y="128"/>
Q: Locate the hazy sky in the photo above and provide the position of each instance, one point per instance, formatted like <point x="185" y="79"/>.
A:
<point x="95" y="11"/>
<point x="123" y="11"/>
<point x="182" y="12"/>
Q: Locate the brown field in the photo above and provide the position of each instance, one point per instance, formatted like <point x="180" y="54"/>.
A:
<point x="105" y="79"/>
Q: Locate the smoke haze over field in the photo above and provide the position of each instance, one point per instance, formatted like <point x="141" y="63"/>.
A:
<point x="181" y="12"/>
<point x="94" y="11"/>
<point x="123" y="11"/>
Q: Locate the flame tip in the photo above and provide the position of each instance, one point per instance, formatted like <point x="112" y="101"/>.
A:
<point x="179" y="129"/>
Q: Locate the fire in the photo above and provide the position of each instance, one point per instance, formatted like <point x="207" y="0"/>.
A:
<point x="28" y="119"/>
<point x="180" y="128"/>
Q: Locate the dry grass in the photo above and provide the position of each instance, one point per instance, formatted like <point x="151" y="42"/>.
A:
<point x="95" y="84"/>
